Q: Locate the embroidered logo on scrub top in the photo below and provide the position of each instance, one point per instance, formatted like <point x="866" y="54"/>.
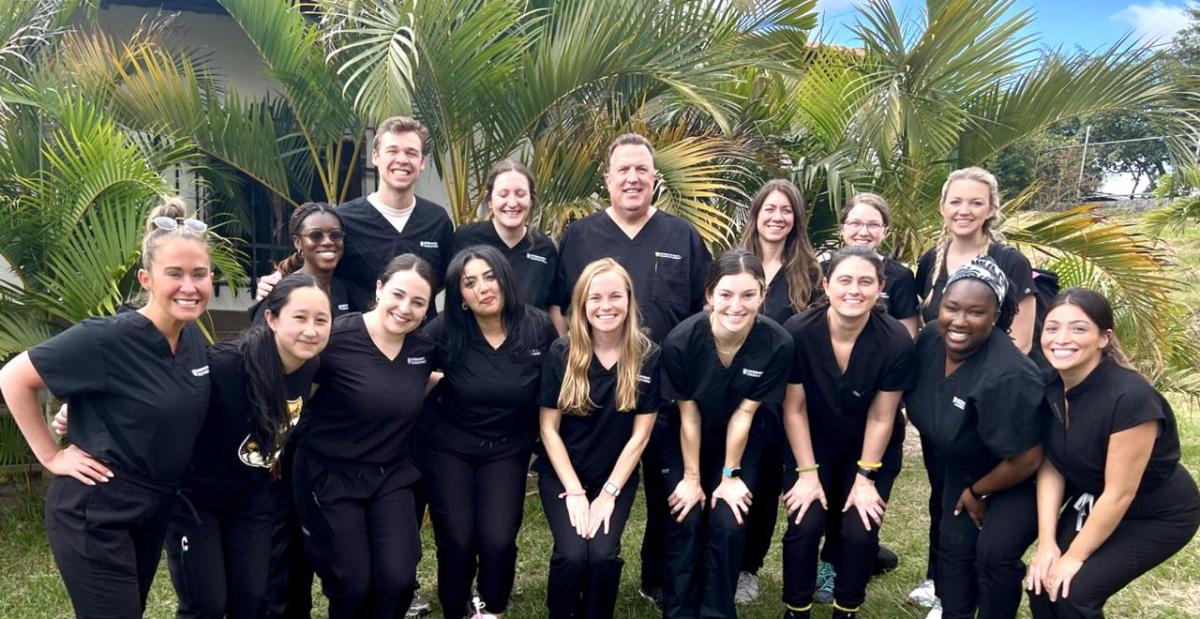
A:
<point x="200" y="371"/>
<point x="343" y="307"/>
<point x="856" y="394"/>
<point x="959" y="403"/>
<point x="642" y="378"/>
<point x="663" y="254"/>
<point x="416" y="360"/>
<point x="536" y="258"/>
<point x="752" y="373"/>
<point x="429" y="244"/>
<point x="534" y="352"/>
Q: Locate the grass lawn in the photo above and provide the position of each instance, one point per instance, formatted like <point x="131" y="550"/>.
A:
<point x="31" y="586"/>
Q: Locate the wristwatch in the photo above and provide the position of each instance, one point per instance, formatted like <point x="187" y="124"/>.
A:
<point x="868" y="473"/>
<point x="732" y="473"/>
<point x="612" y="489"/>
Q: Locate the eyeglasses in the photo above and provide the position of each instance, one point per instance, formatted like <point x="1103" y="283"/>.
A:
<point x="871" y="227"/>
<point x="317" y="236"/>
<point x="173" y="223"/>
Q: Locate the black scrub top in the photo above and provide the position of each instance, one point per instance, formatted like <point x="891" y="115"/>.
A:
<point x="594" y="441"/>
<point x="1111" y="399"/>
<point x="134" y="405"/>
<point x="492" y="392"/>
<point x="229" y="462"/>
<point x="667" y="262"/>
<point x="778" y="304"/>
<point x="693" y="371"/>
<point x="990" y="408"/>
<point x="883" y="359"/>
<point x="372" y="242"/>
<point x="339" y="297"/>
<point x="534" y="260"/>
<point x="366" y="405"/>
<point x="1014" y="264"/>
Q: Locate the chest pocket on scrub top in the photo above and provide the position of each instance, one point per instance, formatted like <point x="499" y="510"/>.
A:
<point x="669" y="282"/>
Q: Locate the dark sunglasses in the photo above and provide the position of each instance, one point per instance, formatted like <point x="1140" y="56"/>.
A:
<point x="317" y="236"/>
<point x="173" y="223"/>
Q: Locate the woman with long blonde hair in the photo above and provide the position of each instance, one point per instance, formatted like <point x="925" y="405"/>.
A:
<point x="599" y="398"/>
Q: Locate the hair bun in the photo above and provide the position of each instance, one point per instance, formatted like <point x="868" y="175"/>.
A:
<point x="173" y="207"/>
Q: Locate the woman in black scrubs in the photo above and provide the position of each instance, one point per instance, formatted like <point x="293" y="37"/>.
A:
<point x="219" y="538"/>
<point x="865" y="220"/>
<point x="721" y="365"/>
<point x="600" y="398"/>
<point x="509" y="228"/>
<point x="476" y="444"/>
<point x="970" y="208"/>
<point x="851" y="366"/>
<point x="137" y="385"/>
<point x="353" y="475"/>
<point x="1112" y="448"/>
<point x="977" y="401"/>
<point x="779" y="239"/>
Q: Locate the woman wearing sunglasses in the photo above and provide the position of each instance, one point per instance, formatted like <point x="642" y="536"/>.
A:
<point x="319" y="239"/>
<point x="138" y="386"/>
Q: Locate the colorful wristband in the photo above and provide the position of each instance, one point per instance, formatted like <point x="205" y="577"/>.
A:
<point x="807" y="469"/>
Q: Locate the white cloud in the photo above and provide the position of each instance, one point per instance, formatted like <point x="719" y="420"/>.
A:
<point x="1155" y="21"/>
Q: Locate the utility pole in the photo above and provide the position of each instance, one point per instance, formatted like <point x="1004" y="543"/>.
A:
<point x="1087" y="135"/>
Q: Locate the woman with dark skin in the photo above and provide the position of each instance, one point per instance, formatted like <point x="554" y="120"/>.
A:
<point x="1112" y="449"/>
<point x="316" y="232"/>
<point x="977" y="401"/>
<point x="478" y="435"/>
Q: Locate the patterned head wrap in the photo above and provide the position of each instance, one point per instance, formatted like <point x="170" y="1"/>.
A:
<point x="985" y="270"/>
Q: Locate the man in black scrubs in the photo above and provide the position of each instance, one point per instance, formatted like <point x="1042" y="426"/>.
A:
<point x="392" y="220"/>
<point x="667" y="261"/>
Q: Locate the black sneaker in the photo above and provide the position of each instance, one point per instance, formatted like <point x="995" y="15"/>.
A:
<point x="885" y="561"/>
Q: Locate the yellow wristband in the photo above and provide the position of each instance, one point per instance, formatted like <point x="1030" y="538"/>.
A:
<point x="807" y="469"/>
<point x="870" y="465"/>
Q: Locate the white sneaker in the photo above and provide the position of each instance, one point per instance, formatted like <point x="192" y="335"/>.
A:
<point x="934" y="613"/>
<point x="925" y="596"/>
<point x="747" y="589"/>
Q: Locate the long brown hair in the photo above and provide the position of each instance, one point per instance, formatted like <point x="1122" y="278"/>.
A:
<point x="979" y="175"/>
<point x="1099" y="311"/>
<point x="574" y="397"/>
<point x="799" y="259"/>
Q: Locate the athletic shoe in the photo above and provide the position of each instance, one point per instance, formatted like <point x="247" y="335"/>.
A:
<point x="935" y="612"/>
<point x="420" y="607"/>
<point x="747" y="589"/>
<point x="885" y="561"/>
<point x="925" y="596"/>
<point x="655" y="595"/>
<point x="825" y="580"/>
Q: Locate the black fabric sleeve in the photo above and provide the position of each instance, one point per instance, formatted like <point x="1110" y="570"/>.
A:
<point x="899" y="372"/>
<point x="902" y="300"/>
<point x="1137" y="405"/>
<point x="434" y="331"/>
<point x="650" y="394"/>
<point x="772" y="385"/>
<point x="676" y="376"/>
<point x="924" y="267"/>
<point x="799" y="370"/>
<point x="1010" y="413"/>
<point x="560" y="295"/>
<point x="552" y="374"/>
<point x="1016" y="266"/>
<point x="699" y="264"/>
<point x="74" y="361"/>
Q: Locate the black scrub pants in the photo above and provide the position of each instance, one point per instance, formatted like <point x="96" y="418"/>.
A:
<point x="290" y="577"/>
<point x="935" y="470"/>
<point x="704" y="552"/>
<point x="1164" y="523"/>
<point x="853" y="548"/>
<point x="476" y="492"/>
<point x="760" y="526"/>
<point x="219" y="553"/>
<point x="980" y="568"/>
<point x="654" y="467"/>
<point x="359" y="533"/>
<point x="585" y="574"/>
<point x="107" y="540"/>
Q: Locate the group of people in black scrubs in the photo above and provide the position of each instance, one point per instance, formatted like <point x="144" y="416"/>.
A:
<point x="315" y="441"/>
